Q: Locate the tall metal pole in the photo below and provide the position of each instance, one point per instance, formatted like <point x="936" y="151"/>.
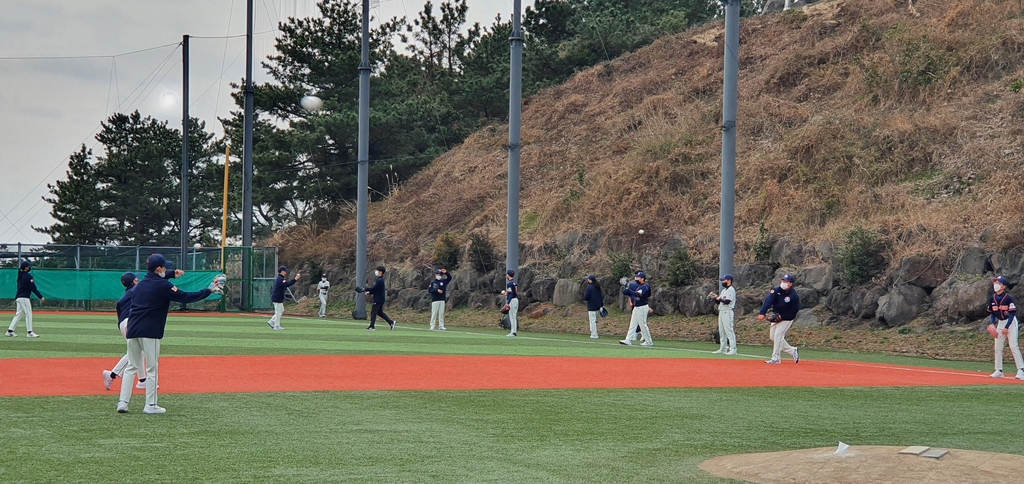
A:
<point x="224" y="215"/>
<point x="184" y="148"/>
<point x="515" y="124"/>
<point x="247" y="165"/>
<point x="726" y="246"/>
<point x="362" y="185"/>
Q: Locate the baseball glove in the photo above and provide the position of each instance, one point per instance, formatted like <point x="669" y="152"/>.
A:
<point x="506" y="309"/>
<point x="992" y="331"/>
<point x="773" y="317"/>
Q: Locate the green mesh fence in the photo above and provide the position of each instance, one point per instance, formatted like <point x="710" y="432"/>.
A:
<point x="93" y="289"/>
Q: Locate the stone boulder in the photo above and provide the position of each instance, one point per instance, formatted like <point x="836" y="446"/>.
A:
<point x="806" y="319"/>
<point x="663" y="300"/>
<point x="542" y="290"/>
<point x="1009" y="264"/>
<point x="960" y="301"/>
<point x="973" y="261"/>
<point x="808" y="297"/>
<point x="567" y="292"/>
<point x="901" y="305"/>
<point x="825" y="250"/>
<point x="924" y="272"/>
<point x="772" y="6"/>
<point x="819" y="277"/>
<point x="787" y="252"/>
<point x="860" y="302"/>
<point x="753" y="275"/>
<point x="694" y="301"/>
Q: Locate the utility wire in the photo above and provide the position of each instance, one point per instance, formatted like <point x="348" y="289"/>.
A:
<point x="59" y="57"/>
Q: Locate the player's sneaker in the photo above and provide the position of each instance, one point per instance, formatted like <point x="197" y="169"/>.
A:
<point x="648" y="344"/>
<point x="107" y="378"/>
<point x="431" y="328"/>
<point x="278" y="328"/>
<point x="442" y="328"/>
<point x="11" y="334"/>
<point x="140" y="385"/>
<point x="371" y="328"/>
<point x="997" y="374"/>
<point x="271" y="324"/>
<point x="510" y="335"/>
<point x="773" y="362"/>
<point x="392" y="324"/>
<point x="625" y="342"/>
<point x="122" y="407"/>
<point x="1020" y="374"/>
<point x="594" y="336"/>
<point x="32" y="335"/>
<point x="796" y="355"/>
<point x="154" y="409"/>
<point x="731" y="352"/>
<point x="718" y="351"/>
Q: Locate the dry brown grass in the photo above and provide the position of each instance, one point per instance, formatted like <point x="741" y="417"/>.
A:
<point x="851" y="112"/>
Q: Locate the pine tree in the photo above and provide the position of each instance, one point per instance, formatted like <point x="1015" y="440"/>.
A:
<point x="76" y="204"/>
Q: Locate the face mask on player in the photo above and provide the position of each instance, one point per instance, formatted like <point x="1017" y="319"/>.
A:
<point x="996" y="287"/>
<point x="785" y="286"/>
<point x="437" y="277"/>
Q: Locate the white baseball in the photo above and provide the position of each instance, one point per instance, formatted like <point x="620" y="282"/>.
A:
<point x="641" y="231"/>
<point x="311" y="103"/>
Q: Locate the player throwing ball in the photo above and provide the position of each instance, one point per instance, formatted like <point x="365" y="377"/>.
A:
<point x="786" y="303"/>
<point x="639" y="296"/>
<point x="1003" y="326"/>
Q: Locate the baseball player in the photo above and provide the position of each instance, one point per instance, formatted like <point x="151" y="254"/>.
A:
<point x="726" y="329"/>
<point x="380" y="296"/>
<point x="595" y="301"/>
<point x="786" y="303"/>
<point x="277" y="296"/>
<point x="26" y="288"/>
<point x="511" y="294"/>
<point x="128" y="280"/>
<point x="323" y="287"/>
<point x="147" y="318"/>
<point x="1003" y="326"/>
<point x="636" y="334"/>
<point x="438" y="295"/>
<point x="639" y="296"/>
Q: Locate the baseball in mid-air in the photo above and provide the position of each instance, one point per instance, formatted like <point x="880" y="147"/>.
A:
<point x="311" y="103"/>
<point x="641" y="231"/>
<point x="197" y="246"/>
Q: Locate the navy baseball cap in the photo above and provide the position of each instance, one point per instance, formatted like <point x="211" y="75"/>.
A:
<point x="154" y="261"/>
<point x="282" y="269"/>
<point x="26" y="263"/>
<point x="437" y="271"/>
<point x="727" y="277"/>
<point x="510" y="273"/>
<point x="128" y="279"/>
<point x="1002" y="280"/>
<point x="789" y="278"/>
<point x="641" y="275"/>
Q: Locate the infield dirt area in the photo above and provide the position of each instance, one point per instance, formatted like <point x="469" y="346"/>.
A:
<point x="227" y="374"/>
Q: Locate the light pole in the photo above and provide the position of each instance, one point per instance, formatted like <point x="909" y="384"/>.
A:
<point x="730" y="79"/>
<point x="363" y="176"/>
<point x="247" y="168"/>
<point x="515" y="125"/>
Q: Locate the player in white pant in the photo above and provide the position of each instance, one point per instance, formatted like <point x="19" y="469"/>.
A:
<point x="511" y="294"/>
<point x="1004" y="326"/>
<point x="639" y="297"/>
<point x="26" y="287"/>
<point x="595" y="302"/>
<point x="784" y="301"/>
<point x="128" y="280"/>
<point x="726" y="319"/>
<point x="438" y="291"/>
<point x="323" y="287"/>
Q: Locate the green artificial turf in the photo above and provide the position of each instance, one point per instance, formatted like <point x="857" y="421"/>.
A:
<point x="629" y="435"/>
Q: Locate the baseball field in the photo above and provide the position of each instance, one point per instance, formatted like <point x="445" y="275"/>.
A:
<point x="325" y="400"/>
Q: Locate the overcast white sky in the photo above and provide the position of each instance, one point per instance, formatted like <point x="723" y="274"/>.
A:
<point x="51" y="106"/>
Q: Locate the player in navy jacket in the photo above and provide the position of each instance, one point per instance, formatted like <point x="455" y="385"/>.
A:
<point x="784" y="300"/>
<point x="26" y="288"/>
<point x="438" y="296"/>
<point x="639" y="295"/>
<point x="277" y="296"/>
<point x="380" y="296"/>
<point x="1003" y="325"/>
<point x="511" y="294"/>
<point x="147" y="319"/>
<point x="595" y="301"/>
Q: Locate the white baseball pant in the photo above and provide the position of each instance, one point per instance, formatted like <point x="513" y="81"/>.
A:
<point x="726" y="329"/>
<point x="639" y="319"/>
<point x="1014" y="348"/>
<point x="24" y="306"/>
<point x="513" y="311"/>
<point x="119" y="367"/>
<point x="278" y="312"/>
<point x="141" y="350"/>
<point x="777" y="333"/>
<point x="437" y="314"/>
<point x="593" y="323"/>
<point x="323" y="305"/>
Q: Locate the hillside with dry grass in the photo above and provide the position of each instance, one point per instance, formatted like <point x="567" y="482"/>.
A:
<point x="907" y="122"/>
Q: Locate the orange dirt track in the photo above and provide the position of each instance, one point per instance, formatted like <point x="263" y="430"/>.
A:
<point x="220" y="374"/>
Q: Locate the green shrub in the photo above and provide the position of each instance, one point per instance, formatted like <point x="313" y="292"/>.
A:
<point x="446" y="251"/>
<point x="681" y="268"/>
<point x="860" y="257"/>
<point x="621" y="264"/>
<point x="482" y="253"/>
<point x="763" y="245"/>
